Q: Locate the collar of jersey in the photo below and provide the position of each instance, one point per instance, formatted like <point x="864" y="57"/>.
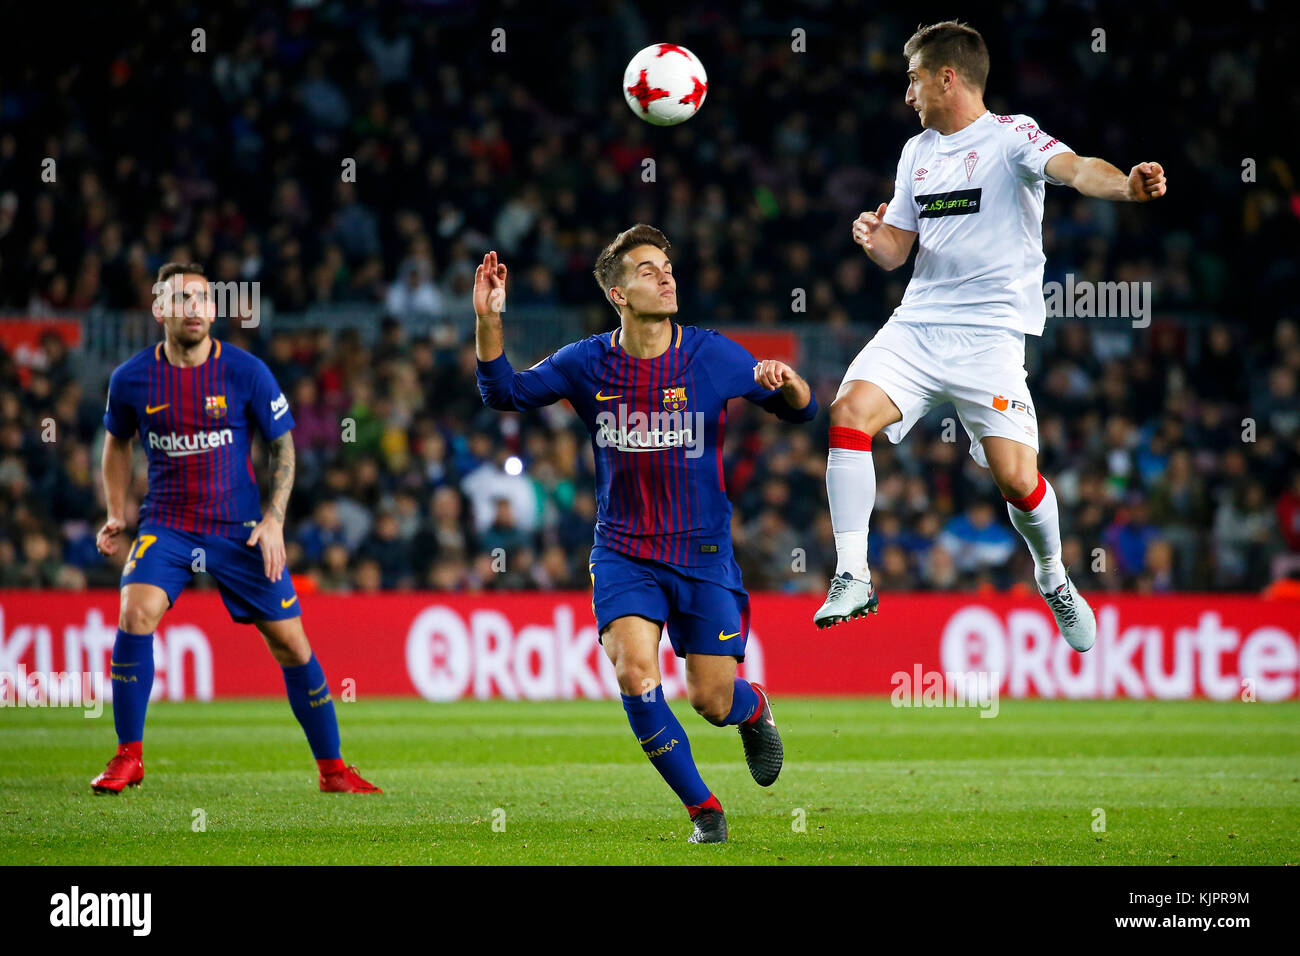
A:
<point x="213" y="353"/>
<point x="960" y="138"/>
<point x="616" y="337"/>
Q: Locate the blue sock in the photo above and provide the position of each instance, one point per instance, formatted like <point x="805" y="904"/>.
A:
<point x="664" y="741"/>
<point x="309" y="696"/>
<point x="744" y="701"/>
<point x="131" y="669"/>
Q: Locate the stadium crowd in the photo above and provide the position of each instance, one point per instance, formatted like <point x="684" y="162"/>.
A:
<point x="1175" y="450"/>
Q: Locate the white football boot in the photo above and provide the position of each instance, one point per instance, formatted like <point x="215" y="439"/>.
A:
<point x="847" y="598"/>
<point x="1074" y="617"/>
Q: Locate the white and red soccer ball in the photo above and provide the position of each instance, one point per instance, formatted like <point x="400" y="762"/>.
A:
<point x="665" y="84"/>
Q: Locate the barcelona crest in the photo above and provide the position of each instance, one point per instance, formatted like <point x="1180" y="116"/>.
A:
<point x="215" y="405"/>
<point x="674" y="398"/>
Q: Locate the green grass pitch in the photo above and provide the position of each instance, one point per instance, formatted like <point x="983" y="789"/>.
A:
<point x="516" y="782"/>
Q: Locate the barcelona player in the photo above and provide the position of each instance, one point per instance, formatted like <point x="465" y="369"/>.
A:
<point x="194" y="402"/>
<point x="653" y="394"/>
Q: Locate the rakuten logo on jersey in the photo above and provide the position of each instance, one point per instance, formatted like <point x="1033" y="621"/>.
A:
<point x="176" y="445"/>
<point x="1136" y="660"/>
<point x="651" y="431"/>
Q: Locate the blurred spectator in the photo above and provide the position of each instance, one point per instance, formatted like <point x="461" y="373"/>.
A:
<point x="976" y="540"/>
<point x="490" y="483"/>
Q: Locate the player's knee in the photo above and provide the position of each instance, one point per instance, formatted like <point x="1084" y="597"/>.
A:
<point x="288" y="651"/>
<point x="1019" y="481"/>
<point x="862" y="408"/>
<point x="710" y="704"/>
<point x="137" y="617"/>
<point x="635" y="676"/>
<point x="848" y="411"/>
<point x="287" y="655"/>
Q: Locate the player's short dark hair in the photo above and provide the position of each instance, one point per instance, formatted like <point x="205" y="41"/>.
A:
<point x="955" y="44"/>
<point x="609" y="264"/>
<point x="169" y="269"/>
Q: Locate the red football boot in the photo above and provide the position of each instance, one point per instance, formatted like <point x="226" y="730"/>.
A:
<point x="126" y="769"/>
<point x="345" y="780"/>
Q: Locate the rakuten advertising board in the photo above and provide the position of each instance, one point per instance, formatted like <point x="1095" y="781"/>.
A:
<point x="542" y="646"/>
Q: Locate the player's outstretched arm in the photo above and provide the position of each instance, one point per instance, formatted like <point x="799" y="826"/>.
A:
<point x="885" y="245"/>
<point x="270" y="530"/>
<point x="1099" y="179"/>
<point x="115" y="466"/>
<point x="500" y="385"/>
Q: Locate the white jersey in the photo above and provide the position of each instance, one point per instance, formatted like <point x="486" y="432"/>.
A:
<point x="975" y="198"/>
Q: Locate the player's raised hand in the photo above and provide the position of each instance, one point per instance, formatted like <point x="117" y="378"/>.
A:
<point x="866" y="224"/>
<point x="269" y="533"/>
<point x="1146" y="181"/>
<point x="489" y="287"/>
<point x="106" y="540"/>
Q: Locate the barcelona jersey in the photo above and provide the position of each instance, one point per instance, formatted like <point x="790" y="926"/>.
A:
<point x="656" y="429"/>
<point x="196" y="427"/>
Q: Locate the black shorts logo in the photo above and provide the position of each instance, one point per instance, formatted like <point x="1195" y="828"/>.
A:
<point x="959" y="202"/>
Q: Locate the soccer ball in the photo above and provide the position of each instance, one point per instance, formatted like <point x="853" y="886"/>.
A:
<point x="665" y="84"/>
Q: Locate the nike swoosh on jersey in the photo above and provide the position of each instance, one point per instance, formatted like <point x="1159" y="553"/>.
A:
<point x="284" y="603"/>
<point x="150" y="409"/>
<point x="727" y="637"/>
<point x="606" y="398"/>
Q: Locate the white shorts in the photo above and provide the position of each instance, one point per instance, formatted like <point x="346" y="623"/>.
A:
<point x="980" y="369"/>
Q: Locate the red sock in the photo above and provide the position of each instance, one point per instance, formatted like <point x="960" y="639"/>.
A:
<point x="710" y="804"/>
<point x="133" y="747"/>
<point x="1031" y="500"/>
<point x="852" y="438"/>
<point x="331" y="766"/>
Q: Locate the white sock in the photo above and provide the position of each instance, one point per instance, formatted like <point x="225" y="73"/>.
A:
<point x="1041" y="529"/>
<point x="851" y="488"/>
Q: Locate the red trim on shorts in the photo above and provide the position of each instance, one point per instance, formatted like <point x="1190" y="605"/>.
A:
<point x="842" y="437"/>
<point x="1031" y="500"/>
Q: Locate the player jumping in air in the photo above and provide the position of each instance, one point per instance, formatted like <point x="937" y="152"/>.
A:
<point x="653" y="394"/>
<point x="970" y="186"/>
<point x="194" y="402"/>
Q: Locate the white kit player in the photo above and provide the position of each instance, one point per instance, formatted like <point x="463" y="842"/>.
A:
<point x="970" y="186"/>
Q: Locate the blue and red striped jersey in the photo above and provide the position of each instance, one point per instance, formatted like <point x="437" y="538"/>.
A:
<point x="195" y="425"/>
<point x="656" y="429"/>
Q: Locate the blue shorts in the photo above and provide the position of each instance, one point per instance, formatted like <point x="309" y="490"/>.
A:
<point x="168" y="558"/>
<point x="706" y="609"/>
